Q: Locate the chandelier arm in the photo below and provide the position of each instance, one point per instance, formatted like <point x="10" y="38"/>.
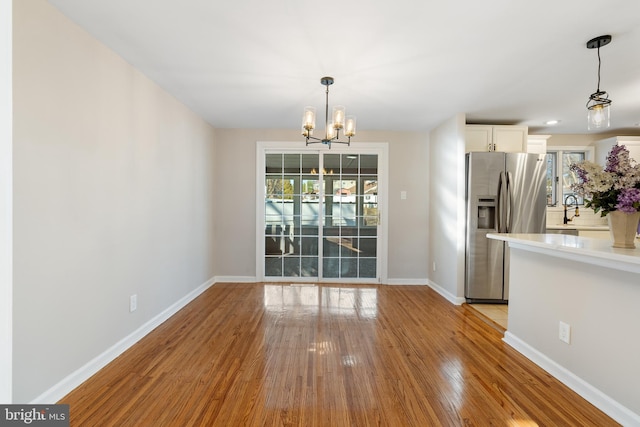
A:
<point x="314" y="139"/>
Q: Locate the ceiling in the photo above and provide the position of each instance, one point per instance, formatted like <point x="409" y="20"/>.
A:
<point x="398" y="65"/>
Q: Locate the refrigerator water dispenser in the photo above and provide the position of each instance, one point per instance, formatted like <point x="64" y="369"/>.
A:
<point x="486" y="213"/>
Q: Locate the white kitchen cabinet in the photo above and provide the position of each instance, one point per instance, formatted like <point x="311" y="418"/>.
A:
<point x="604" y="146"/>
<point x="537" y="144"/>
<point x="512" y="139"/>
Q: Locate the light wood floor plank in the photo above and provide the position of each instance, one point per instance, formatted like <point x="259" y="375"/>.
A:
<point x="328" y="355"/>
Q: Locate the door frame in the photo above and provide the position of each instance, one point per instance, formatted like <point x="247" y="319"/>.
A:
<point x="6" y="203"/>
<point x="379" y="148"/>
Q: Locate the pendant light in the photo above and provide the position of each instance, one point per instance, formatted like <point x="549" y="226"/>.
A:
<point x="599" y="104"/>
<point x="332" y="128"/>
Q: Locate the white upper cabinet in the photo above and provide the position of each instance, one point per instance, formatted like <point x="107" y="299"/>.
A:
<point x="604" y="146"/>
<point x="537" y="144"/>
<point x="512" y="139"/>
<point x="478" y="138"/>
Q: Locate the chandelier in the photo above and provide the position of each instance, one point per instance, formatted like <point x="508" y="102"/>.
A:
<point x="332" y="128"/>
<point x="599" y="104"/>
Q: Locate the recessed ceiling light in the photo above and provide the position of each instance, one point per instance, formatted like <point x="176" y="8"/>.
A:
<point x="552" y="122"/>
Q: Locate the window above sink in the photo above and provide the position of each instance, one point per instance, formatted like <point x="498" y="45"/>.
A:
<point x="559" y="177"/>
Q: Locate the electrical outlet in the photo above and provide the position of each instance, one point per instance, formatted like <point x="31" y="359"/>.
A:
<point x="133" y="303"/>
<point x="564" y="332"/>
<point x="434" y="266"/>
<point x="403" y="195"/>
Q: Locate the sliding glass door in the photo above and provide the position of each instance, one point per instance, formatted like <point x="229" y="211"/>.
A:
<point x="321" y="216"/>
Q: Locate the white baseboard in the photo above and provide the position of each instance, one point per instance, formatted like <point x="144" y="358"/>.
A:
<point x="406" y="282"/>
<point x="600" y="400"/>
<point x="445" y="293"/>
<point x="72" y="381"/>
<point x="235" y="279"/>
<point x="252" y="279"/>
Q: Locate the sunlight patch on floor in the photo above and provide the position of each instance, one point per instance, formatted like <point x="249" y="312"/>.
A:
<point x="522" y="423"/>
<point x="499" y="313"/>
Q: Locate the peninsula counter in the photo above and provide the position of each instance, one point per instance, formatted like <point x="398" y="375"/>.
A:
<point x="593" y="289"/>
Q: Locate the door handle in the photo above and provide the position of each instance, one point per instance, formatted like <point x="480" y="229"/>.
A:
<point x="509" y="210"/>
<point x="500" y="204"/>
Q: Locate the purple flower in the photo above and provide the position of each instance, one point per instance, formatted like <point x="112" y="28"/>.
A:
<point x="629" y="200"/>
<point x="614" y="157"/>
<point x="582" y="174"/>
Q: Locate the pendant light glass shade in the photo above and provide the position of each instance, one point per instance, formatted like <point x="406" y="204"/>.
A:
<point x="338" y="116"/>
<point x="331" y="131"/>
<point x="308" y="121"/>
<point x="599" y="116"/>
<point x="350" y="126"/>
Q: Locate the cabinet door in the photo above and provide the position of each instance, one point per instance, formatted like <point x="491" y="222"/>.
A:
<point x="478" y="138"/>
<point x="634" y="149"/>
<point x="511" y="139"/>
<point x="537" y="144"/>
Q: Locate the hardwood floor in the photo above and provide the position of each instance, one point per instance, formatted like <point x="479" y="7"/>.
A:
<point x="327" y="355"/>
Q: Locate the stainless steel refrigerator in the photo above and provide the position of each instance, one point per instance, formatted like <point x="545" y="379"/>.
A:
<point x="506" y="193"/>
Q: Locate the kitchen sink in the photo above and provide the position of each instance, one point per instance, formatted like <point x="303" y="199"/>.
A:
<point x="569" y="231"/>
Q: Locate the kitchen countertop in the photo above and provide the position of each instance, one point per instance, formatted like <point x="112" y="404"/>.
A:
<point x="576" y="248"/>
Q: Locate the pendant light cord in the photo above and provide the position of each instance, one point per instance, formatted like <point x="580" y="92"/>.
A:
<point x="599" y="64"/>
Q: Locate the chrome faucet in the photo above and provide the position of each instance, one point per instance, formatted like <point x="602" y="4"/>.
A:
<point x="566" y="219"/>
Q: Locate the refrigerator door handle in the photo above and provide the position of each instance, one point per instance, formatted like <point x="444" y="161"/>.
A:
<point x="509" y="212"/>
<point x="500" y="203"/>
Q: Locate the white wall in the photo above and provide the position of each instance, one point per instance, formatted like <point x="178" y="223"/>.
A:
<point x="446" y="208"/>
<point x="235" y="190"/>
<point x="408" y="218"/>
<point x="113" y="196"/>
<point x="6" y="203"/>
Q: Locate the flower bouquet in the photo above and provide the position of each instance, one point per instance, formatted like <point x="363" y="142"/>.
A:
<point x="614" y="191"/>
<point x="616" y="187"/>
